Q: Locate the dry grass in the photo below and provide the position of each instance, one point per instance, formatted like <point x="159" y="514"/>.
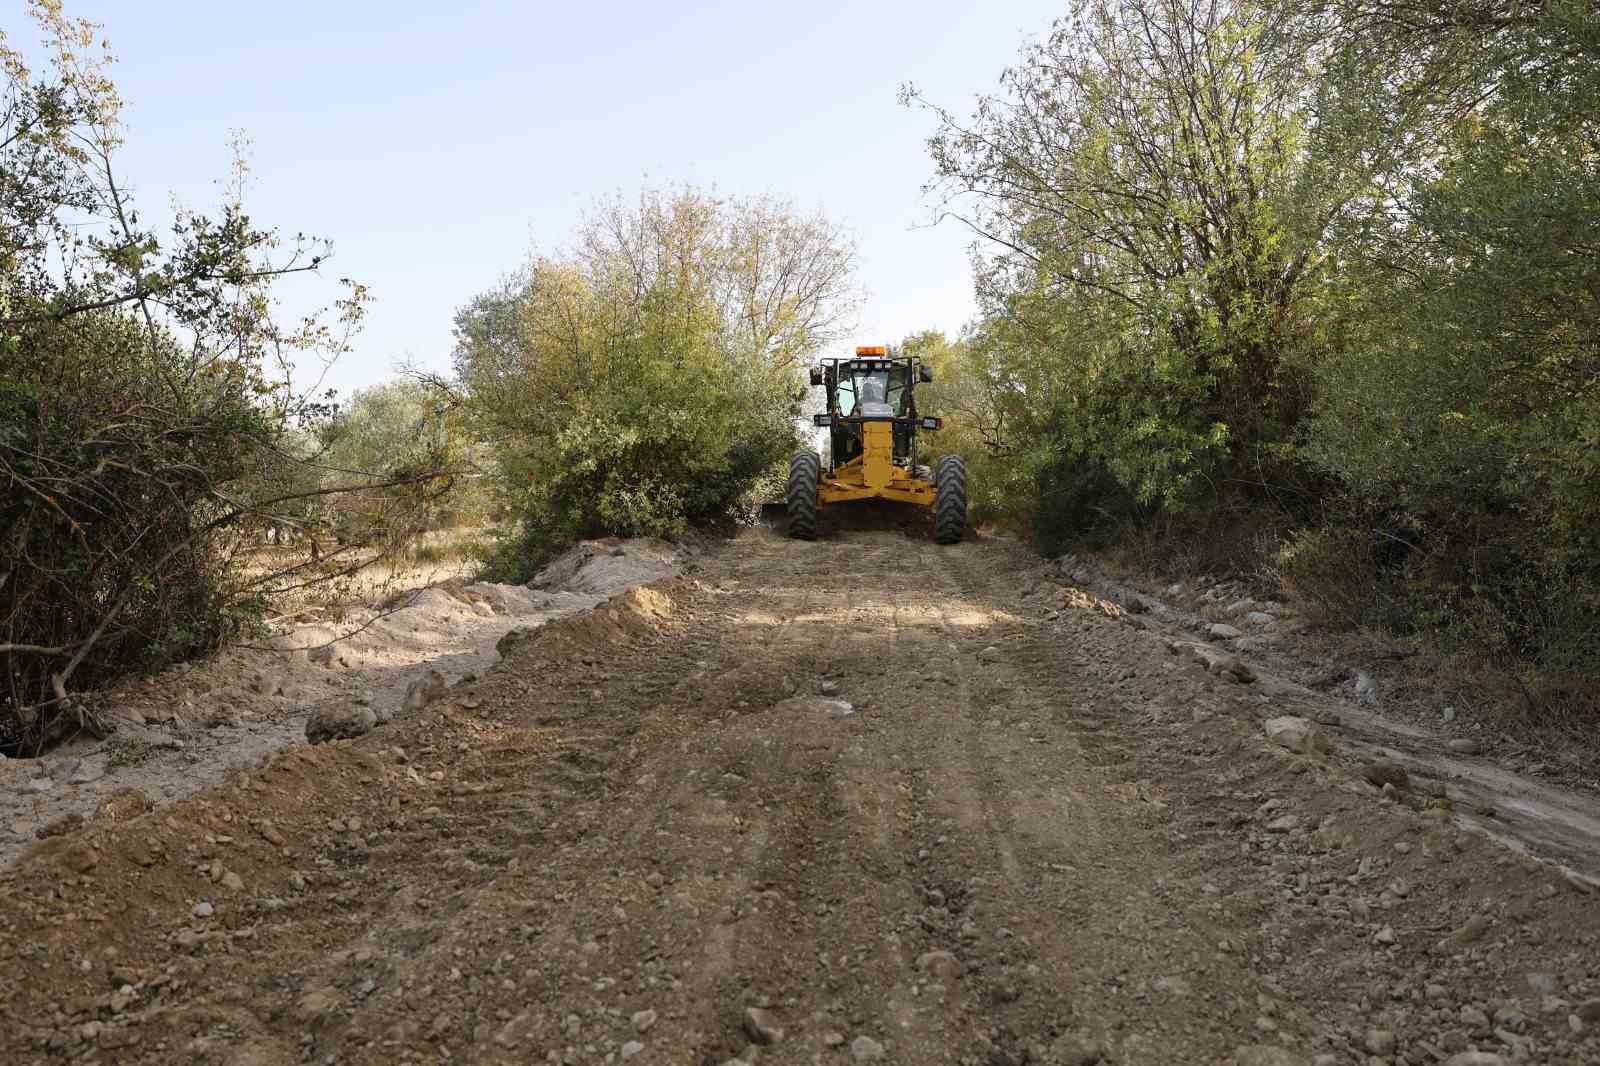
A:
<point x="326" y="589"/>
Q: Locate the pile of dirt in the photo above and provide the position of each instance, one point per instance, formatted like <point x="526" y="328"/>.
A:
<point x="602" y="568"/>
<point x="1355" y="689"/>
<point x="1046" y="832"/>
<point x="190" y="726"/>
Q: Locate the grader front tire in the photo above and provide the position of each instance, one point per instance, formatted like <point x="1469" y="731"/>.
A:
<point x="950" y="499"/>
<point x="805" y="469"/>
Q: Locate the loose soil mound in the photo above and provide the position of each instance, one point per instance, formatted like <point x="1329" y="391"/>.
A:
<point x="1039" y="835"/>
<point x="189" y="727"/>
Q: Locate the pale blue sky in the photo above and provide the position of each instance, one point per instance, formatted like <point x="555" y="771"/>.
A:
<point x="437" y="143"/>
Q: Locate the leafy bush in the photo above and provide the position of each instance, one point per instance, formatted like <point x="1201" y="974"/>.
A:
<point x="649" y="380"/>
<point x="1320" y="272"/>
<point x="1471" y="399"/>
<point x="148" y="435"/>
<point x="1157" y="282"/>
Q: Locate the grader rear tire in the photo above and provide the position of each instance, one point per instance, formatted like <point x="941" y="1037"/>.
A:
<point x="950" y="499"/>
<point x="805" y="469"/>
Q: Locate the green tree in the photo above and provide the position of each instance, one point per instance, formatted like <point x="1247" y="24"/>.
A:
<point x="1472" y="401"/>
<point x="1160" y="243"/>
<point x="649" y="378"/>
<point x="397" y="426"/>
<point x="147" y="422"/>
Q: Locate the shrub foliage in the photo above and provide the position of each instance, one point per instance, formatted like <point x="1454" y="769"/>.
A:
<point x="1337" y="260"/>
<point x="148" y="434"/>
<point x="650" y="378"/>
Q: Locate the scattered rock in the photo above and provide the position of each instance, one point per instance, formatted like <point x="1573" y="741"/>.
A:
<point x="940" y="964"/>
<point x="270" y="834"/>
<point x="338" y="722"/>
<point x="421" y="692"/>
<point x="643" y="1020"/>
<point x="865" y="1049"/>
<point x="331" y="655"/>
<point x="1295" y="733"/>
<point x="40" y="784"/>
<point x="232" y="881"/>
<point x="1473" y="930"/>
<point x="203" y="909"/>
<point x="828" y="688"/>
<point x="832" y="1039"/>
<point x="1465" y="746"/>
<point x="1366" y="689"/>
<point x="506" y="644"/>
<point x="1381" y="1041"/>
<point x="1384" y="772"/>
<point x="631" y="1048"/>
<point x="1234" y="669"/>
<point x="1223" y="631"/>
<point x="761" y="1027"/>
<point x="1285" y="824"/>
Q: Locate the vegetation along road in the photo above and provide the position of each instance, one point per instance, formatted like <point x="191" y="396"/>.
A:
<point x="863" y="799"/>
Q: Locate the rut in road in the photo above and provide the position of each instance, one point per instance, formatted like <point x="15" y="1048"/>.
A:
<point x="1032" y="839"/>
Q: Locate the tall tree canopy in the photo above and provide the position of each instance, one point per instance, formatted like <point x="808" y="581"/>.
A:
<point x="648" y="377"/>
<point x="1144" y="174"/>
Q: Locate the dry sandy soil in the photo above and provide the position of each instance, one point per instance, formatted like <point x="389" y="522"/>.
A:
<point x="863" y="799"/>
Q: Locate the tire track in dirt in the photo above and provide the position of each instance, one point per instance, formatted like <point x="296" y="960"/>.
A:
<point x="1036" y="840"/>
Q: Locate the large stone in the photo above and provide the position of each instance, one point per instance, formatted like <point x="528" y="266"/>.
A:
<point x="1295" y="733"/>
<point x="761" y="1026"/>
<point x="335" y="656"/>
<point x="1223" y="631"/>
<point x="341" y="721"/>
<point x="1381" y="1041"/>
<point x="513" y="637"/>
<point x="1473" y="930"/>
<point x="865" y="1049"/>
<point x="1384" y="772"/>
<point x="423" y="691"/>
<point x="940" y="964"/>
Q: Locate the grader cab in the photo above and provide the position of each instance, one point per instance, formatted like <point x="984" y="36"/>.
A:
<point x="872" y="422"/>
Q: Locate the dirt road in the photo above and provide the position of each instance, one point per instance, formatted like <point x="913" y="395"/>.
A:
<point x="858" y="800"/>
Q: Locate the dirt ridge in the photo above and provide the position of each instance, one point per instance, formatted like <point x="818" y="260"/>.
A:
<point x="1039" y="835"/>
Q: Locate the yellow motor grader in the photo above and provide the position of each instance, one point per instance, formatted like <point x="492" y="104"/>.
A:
<point x="872" y="424"/>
